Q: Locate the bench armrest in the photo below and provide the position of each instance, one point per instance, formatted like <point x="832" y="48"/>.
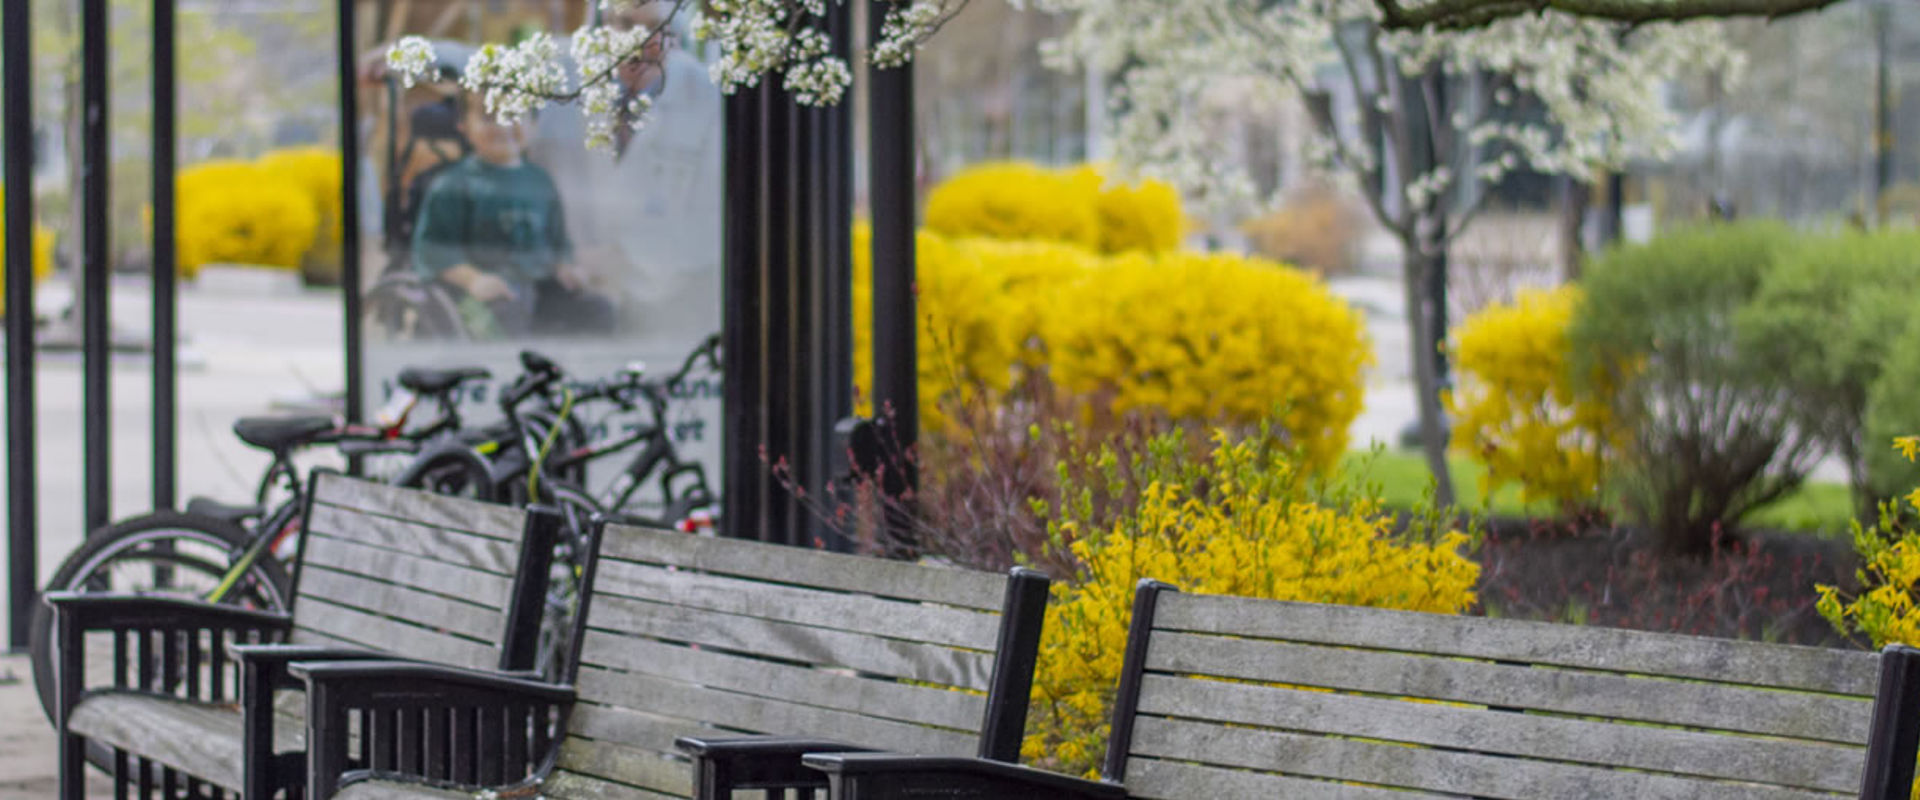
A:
<point x="722" y="766"/>
<point x="873" y="776"/>
<point x="176" y="624"/>
<point x="96" y="610"/>
<point x="401" y="705"/>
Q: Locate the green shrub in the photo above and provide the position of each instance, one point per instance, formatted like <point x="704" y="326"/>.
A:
<point x="1711" y="431"/>
<point x="1822" y="325"/>
<point x="1893" y="410"/>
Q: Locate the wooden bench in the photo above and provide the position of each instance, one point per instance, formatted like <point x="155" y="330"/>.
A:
<point x="703" y="642"/>
<point x="1229" y="697"/>
<point x="383" y="572"/>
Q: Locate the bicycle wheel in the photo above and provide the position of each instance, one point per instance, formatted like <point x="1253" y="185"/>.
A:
<point x="451" y="469"/>
<point x="165" y="552"/>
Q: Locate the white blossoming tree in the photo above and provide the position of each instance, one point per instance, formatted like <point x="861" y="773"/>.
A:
<point x="1422" y="102"/>
<point x="1421" y="121"/>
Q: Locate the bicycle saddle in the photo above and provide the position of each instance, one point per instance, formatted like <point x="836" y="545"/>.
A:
<point x="281" y="433"/>
<point x="218" y="510"/>
<point x="425" y="380"/>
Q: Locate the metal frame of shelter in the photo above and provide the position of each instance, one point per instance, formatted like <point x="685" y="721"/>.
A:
<point x="787" y="251"/>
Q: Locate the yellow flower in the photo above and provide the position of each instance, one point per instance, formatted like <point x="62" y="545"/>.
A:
<point x="42" y="250"/>
<point x="238" y="212"/>
<point x="1521" y="413"/>
<point x="1253" y="530"/>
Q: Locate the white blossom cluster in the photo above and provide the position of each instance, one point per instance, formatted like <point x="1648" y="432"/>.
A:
<point x="753" y="38"/>
<point x="516" y="80"/>
<point x="1568" y="95"/>
<point x="597" y="51"/>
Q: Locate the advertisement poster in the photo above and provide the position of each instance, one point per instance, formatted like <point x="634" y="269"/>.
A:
<point x="483" y="240"/>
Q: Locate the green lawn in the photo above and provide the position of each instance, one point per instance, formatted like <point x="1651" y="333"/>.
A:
<point x="1403" y="480"/>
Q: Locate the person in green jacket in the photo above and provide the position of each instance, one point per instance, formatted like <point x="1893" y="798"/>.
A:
<point x="491" y="227"/>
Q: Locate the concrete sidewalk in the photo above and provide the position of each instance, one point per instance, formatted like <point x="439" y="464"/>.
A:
<point x="27" y="746"/>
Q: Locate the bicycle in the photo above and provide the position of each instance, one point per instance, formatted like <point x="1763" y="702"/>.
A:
<point x="520" y="466"/>
<point x="210" y="550"/>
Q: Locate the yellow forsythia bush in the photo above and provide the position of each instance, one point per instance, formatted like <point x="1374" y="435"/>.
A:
<point x="978" y="307"/>
<point x="239" y="212"/>
<point x="1519" y="411"/>
<point x="1885" y="610"/>
<point x="316" y="170"/>
<point x="1240" y="521"/>
<point x="1213" y="337"/>
<point x="42" y="250"/>
<point x="1075" y="206"/>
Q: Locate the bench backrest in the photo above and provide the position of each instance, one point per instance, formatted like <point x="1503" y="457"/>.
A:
<point x="696" y="636"/>
<point x="419" y="574"/>
<point x="1236" y="697"/>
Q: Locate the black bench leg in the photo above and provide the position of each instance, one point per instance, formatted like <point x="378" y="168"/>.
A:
<point x="73" y="767"/>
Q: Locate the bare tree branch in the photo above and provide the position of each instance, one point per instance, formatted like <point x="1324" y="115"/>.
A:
<point x="1462" y="14"/>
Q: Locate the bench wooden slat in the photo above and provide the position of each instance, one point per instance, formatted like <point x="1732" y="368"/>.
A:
<point x="398" y="790"/>
<point x="1153" y="779"/>
<point x="1718" y="706"/>
<point x="497" y="556"/>
<point x="432" y="611"/>
<point x="569" y="784"/>
<point x="200" y="738"/>
<point x="1781" y="762"/>
<point x="905" y="702"/>
<point x="1720" y="660"/>
<point x="488" y="520"/>
<point x="314" y="615"/>
<point x="919" y="622"/>
<point x="634" y="728"/>
<point x="621" y="616"/>
<point x="622" y="766"/>
<point x="1423" y="768"/>
<point x="957" y="587"/>
<point x="705" y="706"/>
<point x="429" y="574"/>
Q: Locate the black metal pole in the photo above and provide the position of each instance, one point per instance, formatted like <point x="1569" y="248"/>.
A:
<point x="776" y="264"/>
<point x="740" y="392"/>
<point x="837" y="313"/>
<point x="16" y="114"/>
<point x="350" y="210"/>
<point x="164" y="256"/>
<point x="891" y="189"/>
<point x="828" y="356"/>
<point x="95" y="265"/>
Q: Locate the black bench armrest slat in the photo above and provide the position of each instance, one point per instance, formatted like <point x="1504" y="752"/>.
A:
<point x="873" y="776"/>
<point x="337" y="689"/>
<point x="93" y="610"/>
<point x="723" y="766"/>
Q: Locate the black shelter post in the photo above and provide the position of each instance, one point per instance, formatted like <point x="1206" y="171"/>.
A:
<point x="16" y="115"/>
<point x="350" y="210"/>
<point x="745" y="478"/>
<point x="896" y="395"/>
<point x="96" y="267"/>
<point x="788" y="307"/>
<point x="165" y="274"/>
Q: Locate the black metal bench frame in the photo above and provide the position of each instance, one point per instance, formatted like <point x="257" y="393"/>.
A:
<point x="721" y="765"/>
<point x="1888" y="773"/>
<point x="162" y="637"/>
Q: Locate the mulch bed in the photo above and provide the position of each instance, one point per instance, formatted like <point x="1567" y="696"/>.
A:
<point x="1759" y="585"/>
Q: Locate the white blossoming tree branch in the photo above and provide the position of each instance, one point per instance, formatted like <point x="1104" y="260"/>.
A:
<point x="1462" y="14"/>
<point x="754" y="38"/>
<point x="1421" y="121"/>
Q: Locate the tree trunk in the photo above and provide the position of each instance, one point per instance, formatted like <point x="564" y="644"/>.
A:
<point x="1426" y="368"/>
